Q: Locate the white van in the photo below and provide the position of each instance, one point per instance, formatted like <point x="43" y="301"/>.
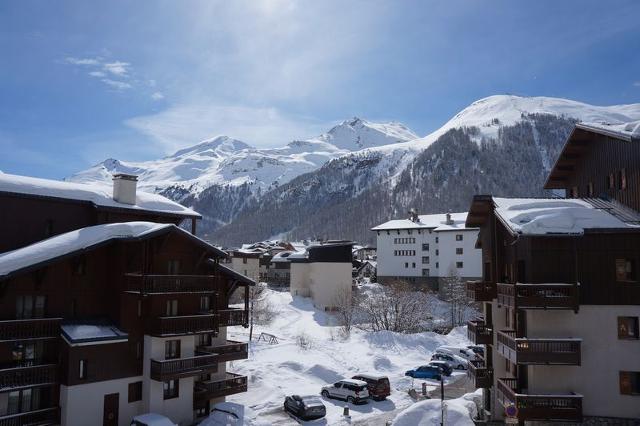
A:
<point x="462" y="352"/>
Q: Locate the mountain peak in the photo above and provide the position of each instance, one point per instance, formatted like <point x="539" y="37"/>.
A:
<point x="356" y="133"/>
<point x="212" y="146"/>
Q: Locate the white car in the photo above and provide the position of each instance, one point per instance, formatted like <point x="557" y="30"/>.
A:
<point x="151" y="419"/>
<point x="350" y="390"/>
<point x="462" y="352"/>
<point x="455" y="362"/>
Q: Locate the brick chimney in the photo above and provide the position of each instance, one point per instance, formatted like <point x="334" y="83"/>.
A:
<point x="124" y="188"/>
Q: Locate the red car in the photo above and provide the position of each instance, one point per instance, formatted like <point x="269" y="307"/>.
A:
<point x="378" y="386"/>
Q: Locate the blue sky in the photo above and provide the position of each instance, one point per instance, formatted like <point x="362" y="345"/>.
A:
<point x="83" y="81"/>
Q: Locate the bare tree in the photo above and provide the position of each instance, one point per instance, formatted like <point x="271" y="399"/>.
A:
<point x="454" y="292"/>
<point x="397" y="307"/>
<point x="346" y="305"/>
<point x="261" y="311"/>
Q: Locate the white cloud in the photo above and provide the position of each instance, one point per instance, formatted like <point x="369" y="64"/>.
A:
<point x="156" y="96"/>
<point x="82" y="61"/>
<point x="117" y="68"/>
<point x="188" y="124"/>
<point x="636" y="83"/>
<point x="118" y="85"/>
<point x="98" y="74"/>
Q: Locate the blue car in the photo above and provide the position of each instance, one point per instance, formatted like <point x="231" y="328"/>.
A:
<point x="424" y="372"/>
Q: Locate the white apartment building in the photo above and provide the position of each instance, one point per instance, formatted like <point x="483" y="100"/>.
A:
<point x="423" y="249"/>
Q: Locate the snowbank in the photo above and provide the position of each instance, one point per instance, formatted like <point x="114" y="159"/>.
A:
<point x="534" y="216"/>
<point x="459" y="412"/>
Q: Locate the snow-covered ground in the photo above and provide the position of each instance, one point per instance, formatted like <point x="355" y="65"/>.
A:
<point x="277" y="370"/>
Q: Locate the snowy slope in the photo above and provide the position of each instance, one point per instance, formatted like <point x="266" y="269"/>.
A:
<point x="226" y="161"/>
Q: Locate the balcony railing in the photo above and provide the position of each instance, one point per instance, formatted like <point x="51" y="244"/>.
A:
<point x="182" y="325"/>
<point x="479" y="333"/>
<point x="539" y="296"/>
<point x="24" y="329"/>
<point x="144" y="283"/>
<point x="183" y="367"/>
<point x="539" y="407"/>
<point x="480" y="375"/>
<point x="481" y="291"/>
<point x="230" y="317"/>
<point x="20" y="377"/>
<point x="229" y="385"/>
<point x="230" y="351"/>
<point x="45" y="416"/>
<point x="522" y="350"/>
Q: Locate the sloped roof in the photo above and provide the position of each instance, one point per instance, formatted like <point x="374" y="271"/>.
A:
<point x="73" y="242"/>
<point x="96" y="194"/>
<point x="437" y="222"/>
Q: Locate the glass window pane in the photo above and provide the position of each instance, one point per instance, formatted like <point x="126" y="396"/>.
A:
<point x="39" y="310"/>
<point x="13" y="406"/>
<point x="26" y="400"/>
<point x="28" y="307"/>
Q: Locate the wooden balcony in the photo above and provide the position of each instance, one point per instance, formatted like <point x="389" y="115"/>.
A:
<point x="231" y="351"/>
<point x="45" y="416"/>
<point x="539" y="296"/>
<point x="522" y="350"/>
<point x="25" y="329"/>
<point x="163" y="370"/>
<point x="155" y="284"/>
<point x="183" y="325"/>
<point x="539" y="407"/>
<point x="479" y="333"/>
<point x="231" y="384"/>
<point x="481" y="291"/>
<point x="27" y="376"/>
<point x="230" y="317"/>
<point x="479" y="374"/>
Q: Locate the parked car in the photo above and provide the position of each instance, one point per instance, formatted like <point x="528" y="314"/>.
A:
<point x="464" y="352"/>
<point x="350" y="390"/>
<point x="151" y="419"/>
<point x="444" y="366"/>
<point x="425" y="372"/>
<point x="454" y="362"/>
<point x="305" y="407"/>
<point x="477" y="349"/>
<point x="378" y="386"/>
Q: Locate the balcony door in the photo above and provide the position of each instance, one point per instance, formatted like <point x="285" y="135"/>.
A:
<point x="111" y="406"/>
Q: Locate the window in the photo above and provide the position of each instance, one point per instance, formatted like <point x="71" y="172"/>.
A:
<point x="29" y="306"/>
<point x="630" y="382"/>
<point x="244" y="260"/>
<point x="409" y="231"/>
<point x="173" y="267"/>
<point x="425" y="272"/>
<point x="172" y="349"/>
<point x="590" y="189"/>
<point x="20" y="401"/>
<point x="135" y="392"/>
<point x="80" y="266"/>
<point x="437" y="252"/>
<point x="625" y="270"/>
<point x="413" y="264"/>
<point x="622" y="179"/>
<point x="203" y="340"/>
<point x="425" y="260"/>
<point x="406" y="264"/>
<point x="205" y="303"/>
<point x="627" y="327"/>
<point x="425" y="247"/>
<point x="172" y="308"/>
<point x="458" y="237"/>
<point x="459" y="265"/>
<point x="436" y="239"/>
<point x="82" y="369"/>
<point x="459" y="250"/>
<point x="437" y="265"/>
<point x="170" y="389"/>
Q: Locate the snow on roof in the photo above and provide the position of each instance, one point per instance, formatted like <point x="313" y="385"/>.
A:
<point x="283" y="256"/>
<point x="629" y="130"/>
<point x="152" y="419"/>
<point x="437" y="222"/>
<point x="72" y="241"/>
<point x="98" y="194"/>
<point x="85" y="333"/>
<point x="541" y="216"/>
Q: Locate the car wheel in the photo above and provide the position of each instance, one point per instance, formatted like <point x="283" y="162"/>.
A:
<point x="325" y="394"/>
<point x="351" y="400"/>
<point x="460" y="367"/>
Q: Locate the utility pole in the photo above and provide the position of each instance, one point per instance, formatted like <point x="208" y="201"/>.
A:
<point x="441" y="400"/>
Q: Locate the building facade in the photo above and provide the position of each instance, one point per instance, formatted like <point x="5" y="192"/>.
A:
<point x="424" y="249"/>
<point x="108" y="321"/>
<point x="560" y="291"/>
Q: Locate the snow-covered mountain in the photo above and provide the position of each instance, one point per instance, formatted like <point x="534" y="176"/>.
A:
<point x="224" y="161"/>
<point x="502" y="145"/>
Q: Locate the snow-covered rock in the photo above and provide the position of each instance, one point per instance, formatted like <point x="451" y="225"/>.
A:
<point x="458" y="411"/>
